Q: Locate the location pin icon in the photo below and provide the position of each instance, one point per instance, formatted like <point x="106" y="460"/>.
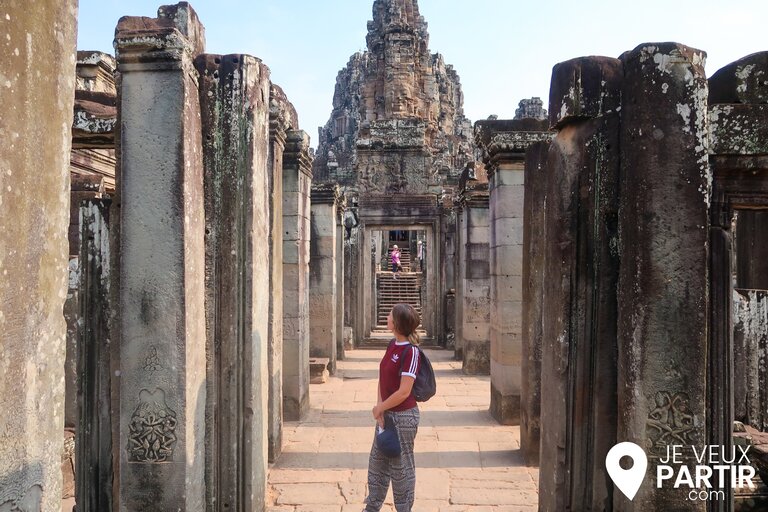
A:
<point x="627" y="480"/>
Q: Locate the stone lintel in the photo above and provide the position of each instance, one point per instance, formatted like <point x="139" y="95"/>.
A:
<point x="325" y="193"/>
<point x="738" y="129"/>
<point x="297" y="153"/>
<point x="102" y="60"/>
<point x="94" y="120"/>
<point x="174" y="35"/>
<point x="95" y="72"/>
<point x="584" y="88"/>
<point x="474" y="198"/>
<point x="507" y="140"/>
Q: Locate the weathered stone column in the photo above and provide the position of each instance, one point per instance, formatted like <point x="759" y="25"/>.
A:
<point x="83" y="187"/>
<point x="460" y="272"/>
<point x="322" y="274"/>
<point x="504" y="144"/>
<point x="341" y="206"/>
<point x="282" y="117"/>
<point x="449" y="266"/>
<point x="535" y="178"/>
<point x="234" y="94"/>
<point x="35" y="127"/>
<point x="578" y="286"/>
<point x="475" y="290"/>
<point x="93" y="460"/>
<point x="162" y="265"/>
<point x="351" y="270"/>
<point x="663" y="285"/>
<point x="297" y="181"/>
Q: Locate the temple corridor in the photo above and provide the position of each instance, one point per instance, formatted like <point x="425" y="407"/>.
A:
<point x="466" y="461"/>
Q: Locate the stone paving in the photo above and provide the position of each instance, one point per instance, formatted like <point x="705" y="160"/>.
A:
<point x="466" y="462"/>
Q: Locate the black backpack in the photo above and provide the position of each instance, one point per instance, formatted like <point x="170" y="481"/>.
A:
<point x="425" y="386"/>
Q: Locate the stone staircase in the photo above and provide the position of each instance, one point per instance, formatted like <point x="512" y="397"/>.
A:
<point x="406" y="289"/>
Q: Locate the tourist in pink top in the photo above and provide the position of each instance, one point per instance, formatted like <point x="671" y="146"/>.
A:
<point x="396" y="265"/>
<point x="395" y="401"/>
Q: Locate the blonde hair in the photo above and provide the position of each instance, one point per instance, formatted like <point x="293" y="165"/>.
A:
<point x="406" y="321"/>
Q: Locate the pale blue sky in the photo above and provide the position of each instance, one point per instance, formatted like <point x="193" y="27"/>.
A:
<point x="503" y="50"/>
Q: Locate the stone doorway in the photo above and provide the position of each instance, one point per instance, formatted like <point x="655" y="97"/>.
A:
<point x="416" y="285"/>
<point x="408" y="285"/>
<point x="738" y="374"/>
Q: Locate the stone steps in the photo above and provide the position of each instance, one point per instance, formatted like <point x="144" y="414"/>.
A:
<point x="405" y="289"/>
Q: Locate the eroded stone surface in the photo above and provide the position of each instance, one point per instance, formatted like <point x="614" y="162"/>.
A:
<point x="162" y="297"/>
<point x="34" y="206"/>
<point x="742" y="81"/>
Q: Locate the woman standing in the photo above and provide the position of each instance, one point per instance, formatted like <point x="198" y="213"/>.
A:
<point x="397" y="373"/>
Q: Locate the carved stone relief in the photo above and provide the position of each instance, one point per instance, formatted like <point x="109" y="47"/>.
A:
<point x="670" y="422"/>
<point x="152" y="430"/>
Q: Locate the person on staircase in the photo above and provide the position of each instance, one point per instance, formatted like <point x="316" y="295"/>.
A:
<point x="396" y="404"/>
<point x="396" y="265"/>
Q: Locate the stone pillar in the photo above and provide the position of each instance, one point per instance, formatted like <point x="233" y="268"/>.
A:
<point x="161" y="304"/>
<point x="461" y="265"/>
<point x="278" y="125"/>
<point x="82" y="187"/>
<point x="506" y="256"/>
<point x="449" y="265"/>
<point x="340" y="209"/>
<point x="322" y="274"/>
<point x="578" y="285"/>
<point x="475" y="296"/>
<point x="504" y="144"/>
<point x="234" y="93"/>
<point x="664" y="231"/>
<point x="297" y="181"/>
<point x="535" y="178"/>
<point x="351" y="270"/>
<point x="94" y="362"/>
<point x="35" y="127"/>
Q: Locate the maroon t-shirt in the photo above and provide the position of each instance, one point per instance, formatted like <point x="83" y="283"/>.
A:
<point x="389" y="371"/>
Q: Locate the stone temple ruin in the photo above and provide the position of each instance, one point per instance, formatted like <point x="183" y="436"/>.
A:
<point x="194" y="264"/>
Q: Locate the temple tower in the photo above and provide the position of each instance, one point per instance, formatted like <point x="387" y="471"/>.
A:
<point x="396" y="143"/>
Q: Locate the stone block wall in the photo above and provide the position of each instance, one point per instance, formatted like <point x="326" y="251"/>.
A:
<point x="282" y="117"/>
<point x="322" y="274"/>
<point x="503" y="144"/>
<point x="297" y="183"/>
<point x="475" y="290"/>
